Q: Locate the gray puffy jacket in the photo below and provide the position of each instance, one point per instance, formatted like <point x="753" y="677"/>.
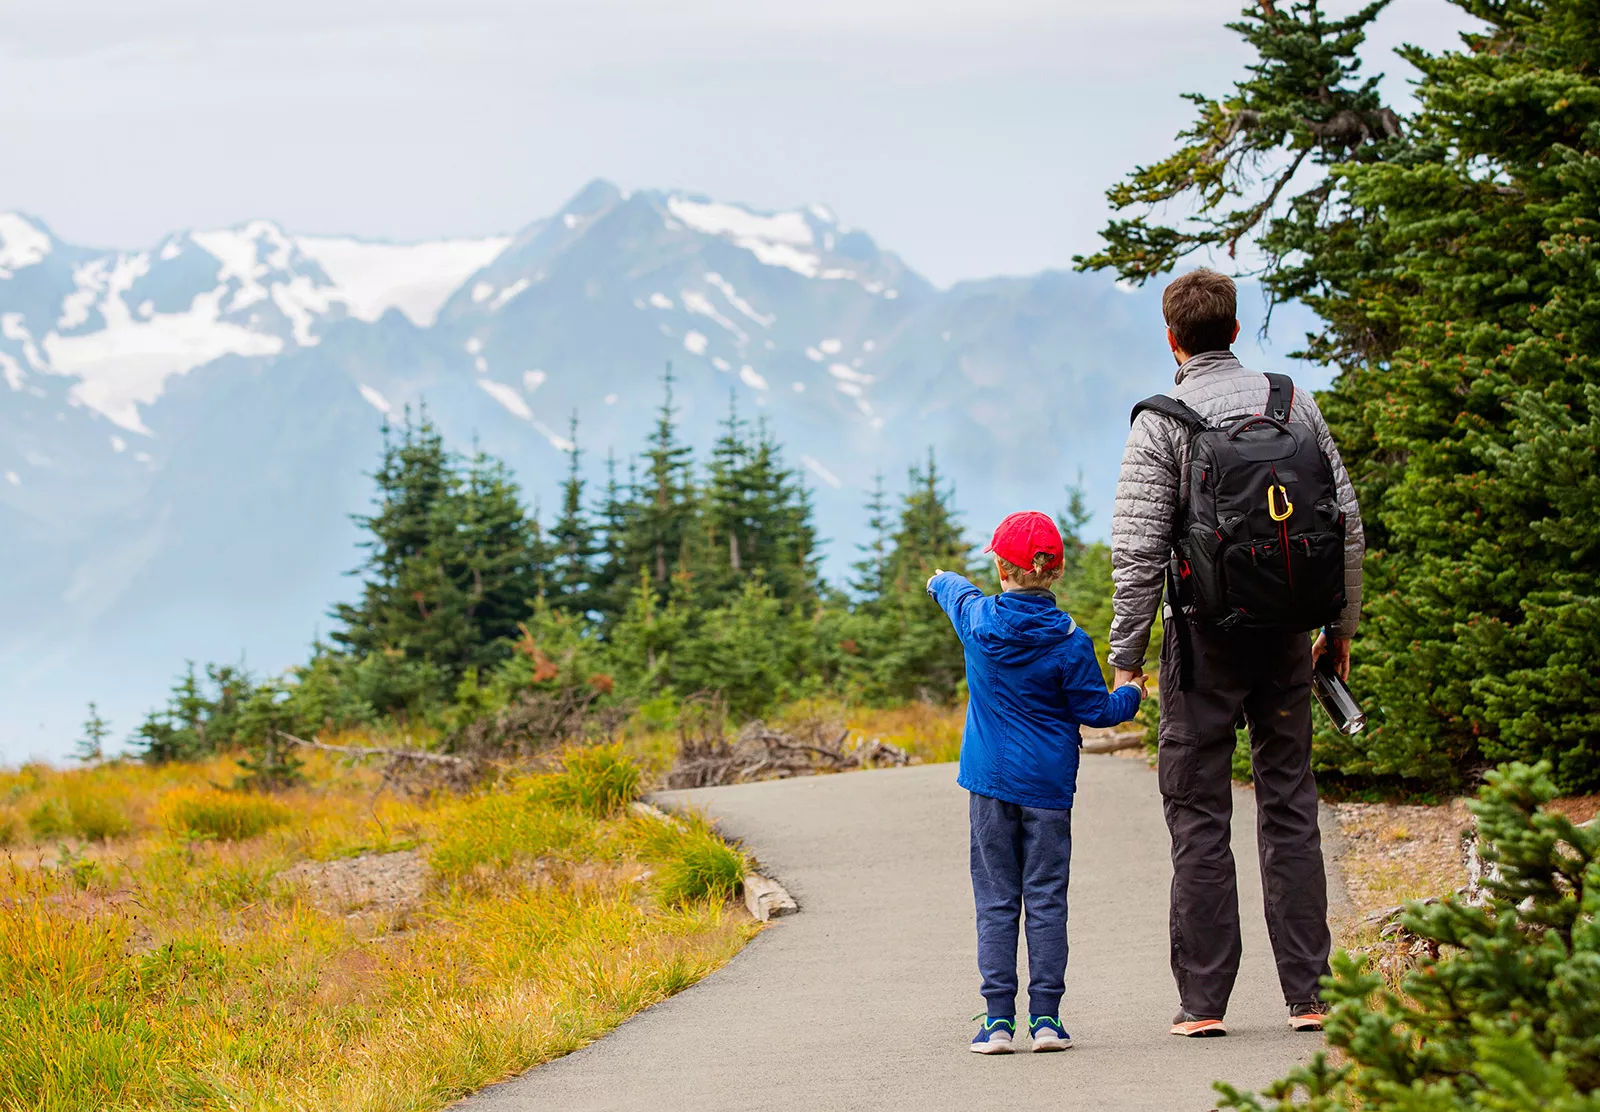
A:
<point x="1151" y="491"/>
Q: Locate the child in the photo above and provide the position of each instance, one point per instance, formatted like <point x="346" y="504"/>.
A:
<point x="1032" y="680"/>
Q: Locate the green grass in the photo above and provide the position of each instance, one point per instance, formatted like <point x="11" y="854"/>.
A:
<point x="703" y="868"/>
<point x="225" y="816"/>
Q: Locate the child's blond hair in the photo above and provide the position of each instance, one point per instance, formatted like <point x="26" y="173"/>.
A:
<point x="1040" y="575"/>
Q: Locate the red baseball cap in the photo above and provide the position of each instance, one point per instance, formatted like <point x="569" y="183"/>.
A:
<point x="1022" y="536"/>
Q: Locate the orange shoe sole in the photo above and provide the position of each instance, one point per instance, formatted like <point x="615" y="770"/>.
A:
<point x="1311" y="1022"/>
<point x="1200" y="1029"/>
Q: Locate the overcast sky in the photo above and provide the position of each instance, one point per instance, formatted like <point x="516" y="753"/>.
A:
<point x="974" y="137"/>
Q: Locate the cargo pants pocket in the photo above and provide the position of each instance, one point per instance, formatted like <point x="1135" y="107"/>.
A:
<point x="1177" y="764"/>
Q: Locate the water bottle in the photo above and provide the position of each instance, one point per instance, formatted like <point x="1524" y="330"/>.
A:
<point x="1334" y="695"/>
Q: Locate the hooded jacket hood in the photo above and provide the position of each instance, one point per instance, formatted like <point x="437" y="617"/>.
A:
<point x="1022" y="627"/>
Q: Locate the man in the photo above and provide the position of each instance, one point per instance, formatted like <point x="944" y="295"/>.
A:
<point x="1212" y="674"/>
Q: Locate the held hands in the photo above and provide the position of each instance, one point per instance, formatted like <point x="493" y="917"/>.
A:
<point x="1339" y="647"/>
<point x="1124" y="678"/>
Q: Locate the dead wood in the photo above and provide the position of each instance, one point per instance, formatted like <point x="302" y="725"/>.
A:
<point x="761" y="752"/>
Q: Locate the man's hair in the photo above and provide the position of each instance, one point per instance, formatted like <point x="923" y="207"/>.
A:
<point x="1201" y="308"/>
<point x="1040" y="575"/>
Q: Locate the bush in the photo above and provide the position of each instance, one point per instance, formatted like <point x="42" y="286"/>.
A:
<point x="599" y="781"/>
<point x="225" y="816"/>
<point x="1508" y="1018"/>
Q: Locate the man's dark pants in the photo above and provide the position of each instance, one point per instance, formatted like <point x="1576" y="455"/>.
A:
<point x="1021" y="856"/>
<point x="1268" y="677"/>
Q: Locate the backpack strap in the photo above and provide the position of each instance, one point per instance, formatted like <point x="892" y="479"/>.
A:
<point x="1280" y="397"/>
<point x="1168" y="406"/>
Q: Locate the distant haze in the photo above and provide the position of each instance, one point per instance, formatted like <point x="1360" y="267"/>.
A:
<point x="975" y="137"/>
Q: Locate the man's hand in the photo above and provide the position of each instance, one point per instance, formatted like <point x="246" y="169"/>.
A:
<point x="1339" y="647"/>
<point x="1124" y="676"/>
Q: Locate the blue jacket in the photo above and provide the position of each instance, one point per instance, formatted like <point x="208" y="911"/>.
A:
<point x="1032" y="681"/>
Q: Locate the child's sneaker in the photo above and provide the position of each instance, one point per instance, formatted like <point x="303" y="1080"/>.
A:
<point x="1307" y="1017"/>
<point x="994" y="1037"/>
<point x="1048" y="1034"/>
<point x="1198" y="1027"/>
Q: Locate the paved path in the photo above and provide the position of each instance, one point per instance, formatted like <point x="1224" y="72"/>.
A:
<point x="861" y="1000"/>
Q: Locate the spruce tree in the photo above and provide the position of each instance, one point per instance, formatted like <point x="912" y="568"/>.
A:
<point x="571" y="581"/>
<point x="727" y="504"/>
<point x="497" y="558"/>
<point x="662" y="527"/>
<point x="779" y="537"/>
<point x="872" y="569"/>
<point x="91" y="747"/>
<point x="1237" y="169"/>
<point x="611" y="586"/>
<point x="453" y="563"/>
<point x="913" y="653"/>
<point x="1502" y="1010"/>
<point x="413" y="479"/>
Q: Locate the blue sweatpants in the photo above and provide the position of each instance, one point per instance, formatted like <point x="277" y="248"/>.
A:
<point x="1021" y="858"/>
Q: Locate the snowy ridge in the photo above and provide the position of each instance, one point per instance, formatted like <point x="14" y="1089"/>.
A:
<point x="415" y="278"/>
<point x="122" y="325"/>
<point x="252" y="290"/>
<point x="22" y="243"/>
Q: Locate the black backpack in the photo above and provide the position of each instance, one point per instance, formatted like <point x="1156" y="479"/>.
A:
<point x="1260" y="544"/>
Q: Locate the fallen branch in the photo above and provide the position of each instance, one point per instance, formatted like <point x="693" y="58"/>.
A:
<point x="1114" y="743"/>
<point x="760" y="752"/>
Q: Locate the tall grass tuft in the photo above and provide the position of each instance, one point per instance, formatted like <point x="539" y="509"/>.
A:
<point x="225" y="816"/>
<point x="598" y="780"/>
<point x="702" y="867"/>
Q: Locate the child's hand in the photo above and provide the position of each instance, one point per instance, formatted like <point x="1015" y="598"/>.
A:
<point x="937" y="572"/>
<point x="1140" y="681"/>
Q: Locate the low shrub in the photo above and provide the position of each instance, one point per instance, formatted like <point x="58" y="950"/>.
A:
<point x="1508" y="1017"/>
<point x="225" y="816"/>
<point x="11" y="826"/>
<point x="597" y="780"/>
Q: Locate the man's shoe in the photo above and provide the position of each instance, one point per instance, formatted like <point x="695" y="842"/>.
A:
<point x="994" y="1037"/>
<point x="1307" y="1017"/>
<point x="1048" y="1034"/>
<point x="1192" y="1026"/>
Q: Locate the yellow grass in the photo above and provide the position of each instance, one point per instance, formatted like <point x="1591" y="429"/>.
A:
<point x="930" y="733"/>
<point x="166" y="963"/>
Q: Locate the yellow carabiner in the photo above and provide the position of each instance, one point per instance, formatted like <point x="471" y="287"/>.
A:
<point x="1272" y="508"/>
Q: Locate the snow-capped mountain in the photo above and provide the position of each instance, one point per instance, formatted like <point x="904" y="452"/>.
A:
<point x="184" y="429"/>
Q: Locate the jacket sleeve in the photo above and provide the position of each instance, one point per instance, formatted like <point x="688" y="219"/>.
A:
<point x="955" y="594"/>
<point x="1355" y="540"/>
<point x="1088" y="701"/>
<point x="1141" y="536"/>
